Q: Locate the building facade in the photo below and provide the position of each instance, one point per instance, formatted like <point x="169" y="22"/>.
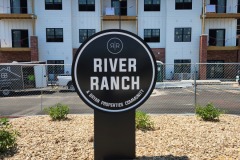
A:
<point x="178" y="31"/>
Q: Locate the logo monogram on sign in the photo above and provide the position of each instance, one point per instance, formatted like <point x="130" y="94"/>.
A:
<point x="114" y="45"/>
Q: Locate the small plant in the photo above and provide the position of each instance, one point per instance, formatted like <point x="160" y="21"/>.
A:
<point x="208" y="112"/>
<point x="57" y="112"/>
<point x="31" y="77"/>
<point x="143" y="121"/>
<point x="8" y="136"/>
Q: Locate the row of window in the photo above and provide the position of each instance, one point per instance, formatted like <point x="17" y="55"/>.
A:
<point x="56" y="34"/>
<point x="89" y="5"/>
<point x="20" y="6"/>
<point x="181" y="35"/>
<point x="180" y="66"/>
<point x="213" y="71"/>
<point x="150" y="35"/>
<point x="216" y="36"/>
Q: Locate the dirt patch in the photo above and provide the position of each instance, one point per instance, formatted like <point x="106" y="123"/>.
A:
<point x="175" y="137"/>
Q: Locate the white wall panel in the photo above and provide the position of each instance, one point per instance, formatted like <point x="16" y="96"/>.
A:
<point x="4" y="6"/>
<point x="153" y="20"/>
<point x="54" y="19"/>
<point x="125" y="25"/>
<point x="182" y="19"/>
<point x="230" y="29"/>
<point x="2" y="36"/>
<point x="71" y="20"/>
<point x="131" y="8"/>
<point x="6" y="30"/>
<point x="84" y="20"/>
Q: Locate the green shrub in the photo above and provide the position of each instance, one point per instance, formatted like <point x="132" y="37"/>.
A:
<point x="57" y="112"/>
<point x="208" y="112"/>
<point x="143" y="121"/>
<point x="8" y="136"/>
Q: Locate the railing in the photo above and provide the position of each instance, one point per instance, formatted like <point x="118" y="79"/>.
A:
<point x="16" y="10"/>
<point x="213" y="8"/>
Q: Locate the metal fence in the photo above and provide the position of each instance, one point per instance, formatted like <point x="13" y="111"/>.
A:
<point x="28" y="88"/>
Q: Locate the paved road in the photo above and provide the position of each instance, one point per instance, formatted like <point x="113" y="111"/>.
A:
<point x="174" y="101"/>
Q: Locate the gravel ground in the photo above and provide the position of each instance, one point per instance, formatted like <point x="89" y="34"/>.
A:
<point x="176" y="137"/>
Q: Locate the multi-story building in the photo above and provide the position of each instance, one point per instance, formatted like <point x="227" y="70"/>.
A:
<point x="178" y="31"/>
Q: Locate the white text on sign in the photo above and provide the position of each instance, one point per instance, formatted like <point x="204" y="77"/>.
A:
<point x="114" y="82"/>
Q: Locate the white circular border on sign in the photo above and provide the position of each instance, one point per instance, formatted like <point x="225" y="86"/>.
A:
<point x="77" y="83"/>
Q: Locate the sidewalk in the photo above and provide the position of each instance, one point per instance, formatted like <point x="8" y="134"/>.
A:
<point x="190" y="83"/>
<point x="178" y="84"/>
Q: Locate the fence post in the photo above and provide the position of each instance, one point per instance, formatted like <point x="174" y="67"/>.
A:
<point x="195" y="86"/>
<point x="42" y="87"/>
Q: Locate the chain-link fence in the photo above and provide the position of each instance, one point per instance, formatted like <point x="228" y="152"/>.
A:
<point x="28" y="88"/>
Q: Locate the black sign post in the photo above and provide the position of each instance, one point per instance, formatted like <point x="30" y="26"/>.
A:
<point x="114" y="72"/>
<point x="114" y="135"/>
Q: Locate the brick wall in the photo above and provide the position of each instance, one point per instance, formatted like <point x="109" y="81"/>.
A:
<point x="230" y="70"/>
<point x="74" y="51"/>
<point x="9" y="57"/>
<point x="203" y="57"/>
<point x="159" y="54"/>
<point x="226" y="56"/>
<point x="238" y="57"/>
<point x="34" y="48"/>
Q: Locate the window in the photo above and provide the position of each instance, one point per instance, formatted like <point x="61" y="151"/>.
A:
<point x="220" y="5"/>
<point x="216" y="70"/>
<point x="152" y="35"/>
<point x="182" y="66"/>
<point x="182" y="35"/>
<point x="151" y="5"/>
<point x="238" y="22"/>
<point x="120" y="7"/>
<point x="86" y="5"/>
<point x="238" y="30"/>
<point x="19" y="6"/>
<point x="54" y="34"/>
<point x="183" y="4"/>
<point x="55" y="69"/>
<point x="238" y="26"/>
<point x="4" y="75"/>
<point x="53" y="4"/>
<point x="85" y="33"/>
<point x="20" y="38"/>
<point x="216" y="37"/>
<point x="238" y="7"/>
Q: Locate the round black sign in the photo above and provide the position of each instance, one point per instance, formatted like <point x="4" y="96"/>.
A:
<point x="114" y="71"/>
